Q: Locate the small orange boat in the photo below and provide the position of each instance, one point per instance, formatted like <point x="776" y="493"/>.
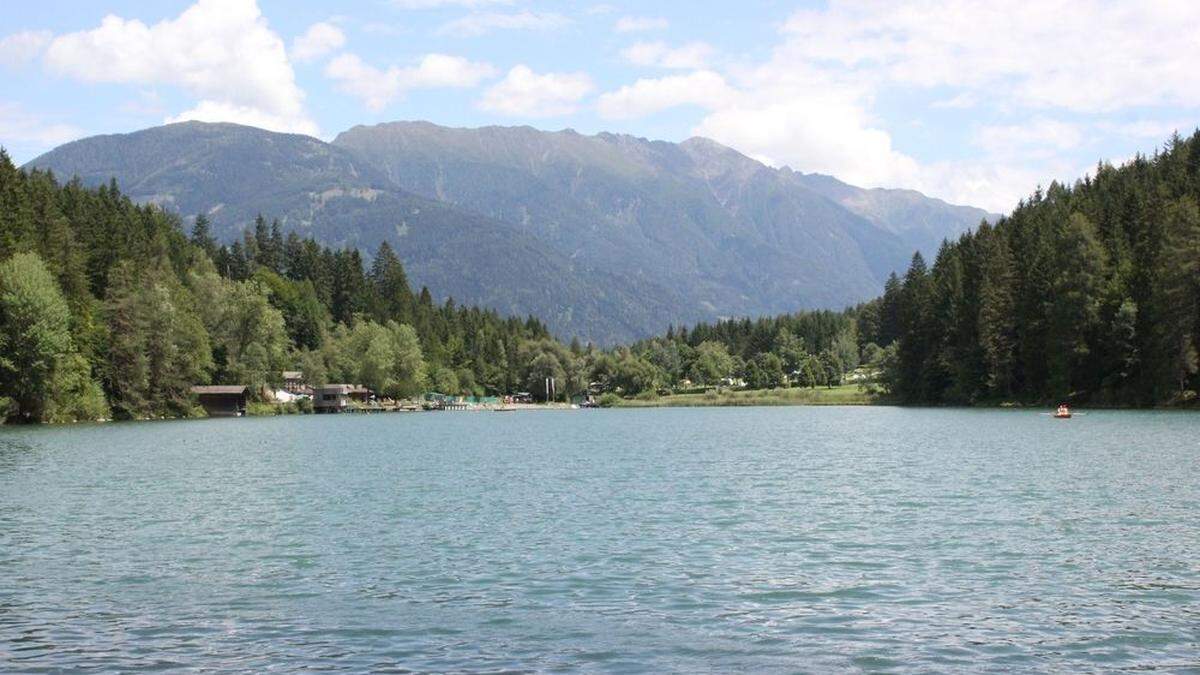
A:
<point x="1063" y="413"/>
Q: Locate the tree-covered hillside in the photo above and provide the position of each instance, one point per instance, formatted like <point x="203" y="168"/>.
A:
<point x="108" y="307"/>
<point x="609" y="237"/>
<point x="1088" y="293"/>
<point x="233" y="173"/>
<point x="1084" y="293"/>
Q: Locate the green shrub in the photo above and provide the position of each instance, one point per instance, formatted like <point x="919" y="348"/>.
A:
<point x="258" y="409"/>
<point x="609" y="399"/>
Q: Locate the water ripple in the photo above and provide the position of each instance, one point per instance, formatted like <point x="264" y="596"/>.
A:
<point x="763" y="540"/>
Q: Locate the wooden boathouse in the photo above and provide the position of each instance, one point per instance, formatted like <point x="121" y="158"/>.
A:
<point x="222" y="400"/>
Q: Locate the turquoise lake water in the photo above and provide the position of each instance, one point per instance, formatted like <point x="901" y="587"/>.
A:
<point x="747" y="540"/>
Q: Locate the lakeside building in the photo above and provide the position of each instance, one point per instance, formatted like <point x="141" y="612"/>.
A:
<point x="294" y="383"/>
<point x="222" y="400"/>
<point x="331" y="398"/>
<point x="334" y="398"/>
<point x="285" y="396"/>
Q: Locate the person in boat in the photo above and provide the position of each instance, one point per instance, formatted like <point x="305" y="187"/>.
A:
<point x="1063" y="411"/>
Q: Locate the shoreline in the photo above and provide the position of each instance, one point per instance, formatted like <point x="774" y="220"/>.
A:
<point x="851" y="395"/>
<point x="754" y="398"/>
<point x="846" y="394"/>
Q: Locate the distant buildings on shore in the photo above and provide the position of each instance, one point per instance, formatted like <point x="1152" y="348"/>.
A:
<point x="231" y="400"/>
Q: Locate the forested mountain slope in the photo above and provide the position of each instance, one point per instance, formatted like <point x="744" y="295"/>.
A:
<point x="233" y="173"/>
<point x="606" y="237"/>
<point x="1087" y="293"/>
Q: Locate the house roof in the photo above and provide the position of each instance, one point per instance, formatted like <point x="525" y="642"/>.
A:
<point x="220" y="389"/>
<point x="293" y="375"/>
<point x="342" y="388"/>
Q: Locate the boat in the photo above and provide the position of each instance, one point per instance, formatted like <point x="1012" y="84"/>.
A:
<point x="1063" y="413"/>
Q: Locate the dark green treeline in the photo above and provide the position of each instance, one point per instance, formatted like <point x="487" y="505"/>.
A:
<point x="1089" y="293"/>
<point x="108" y="308"/>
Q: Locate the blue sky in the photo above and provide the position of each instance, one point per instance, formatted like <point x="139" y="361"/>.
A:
<point x="973" y="102"/>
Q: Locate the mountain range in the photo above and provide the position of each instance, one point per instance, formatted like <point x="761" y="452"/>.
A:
<point x="606" y="237"/>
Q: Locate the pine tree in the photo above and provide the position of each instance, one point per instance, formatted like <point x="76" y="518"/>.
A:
<point x="1180" y="293"/>
<point x="392" y="293"/>
<point x="995" y="317"/>
<point x="202" y="236"/>
<point x="914" y="319"/>
<point x="1074" y="305"/>
<point x="889" y="311"/>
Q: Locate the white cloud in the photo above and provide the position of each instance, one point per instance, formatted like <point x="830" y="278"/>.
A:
<point x="19" y="126"/>
<point x="691" y="56"/>
<point x="1154" y="130"/>
<point x="220" y="111"/>
<point x="995" y="186"/>
<point x="319" y="40"/>
<point x="1090" y="55"/>
<point x="831" y="134"/>
<point x="524" y="93"/>
<point x="1057" y="70"/>
<point x="221" y="51"/>
<point x="377" y="88"/>
<point x="1021" y="57"/>
<point x="646" y="96"/>
<point x="635" y="24"/>
<point x="21" y="48"/>
<point x="783" y="113"/>
<point x="481" y="23"/>
<point x="1039" y="137"/>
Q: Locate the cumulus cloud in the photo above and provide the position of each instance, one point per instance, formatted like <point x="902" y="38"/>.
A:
<point x="482" y="23"/>
<point x="524" y="93"/>
<point x="702" y="88"/>
<point x="1048" y="79"/>
<point x="221" y="51"/>
<point x="319" y="40"/>
<point x="377" y="88"/>
<point x="636" y="24"/>
<point x="21" y="48"/>
<point x="691" y="56"/>
<point x="221" y="111"/>
<point x="830" y="132"/>
<point x="1098" y="56"/>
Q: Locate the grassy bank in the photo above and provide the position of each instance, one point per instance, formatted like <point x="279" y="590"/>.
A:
<point x="847" y="394"/>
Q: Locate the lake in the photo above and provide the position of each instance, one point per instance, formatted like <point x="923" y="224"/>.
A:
<point x="747" y="539"/>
